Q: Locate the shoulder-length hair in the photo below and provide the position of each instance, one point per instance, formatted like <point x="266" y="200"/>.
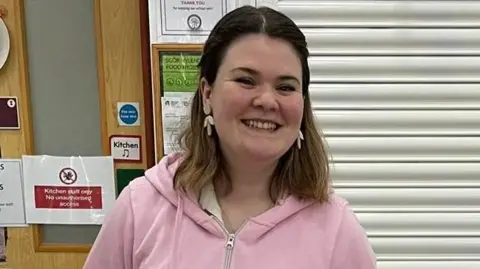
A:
<point x="303" y="172"/>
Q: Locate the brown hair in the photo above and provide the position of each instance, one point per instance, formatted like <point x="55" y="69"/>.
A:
<point x="301" y="172"/>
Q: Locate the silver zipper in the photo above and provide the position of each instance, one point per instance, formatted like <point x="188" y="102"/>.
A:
<point x="230" y="244"/>
<point x="228" y="251"/>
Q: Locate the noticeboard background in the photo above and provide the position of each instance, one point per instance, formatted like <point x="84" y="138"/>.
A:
<point x="175" y="79"/>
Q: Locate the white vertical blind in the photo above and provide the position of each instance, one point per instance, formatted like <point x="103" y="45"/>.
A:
<point x="396" y="90"/>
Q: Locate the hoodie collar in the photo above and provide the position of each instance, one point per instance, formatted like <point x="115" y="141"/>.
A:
<point x="188" y="205"/>
<point x="209" y="202"/>
<point x="161" y="178"/>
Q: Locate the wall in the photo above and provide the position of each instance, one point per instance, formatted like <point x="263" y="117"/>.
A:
<point x="73" y="60"/>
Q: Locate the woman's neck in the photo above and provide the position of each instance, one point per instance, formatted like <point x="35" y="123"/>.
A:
<point x="248" y="182"/>
<point x="248" y="196"/>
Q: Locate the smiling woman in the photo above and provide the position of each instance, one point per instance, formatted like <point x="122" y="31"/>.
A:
<point x="257" y="75"/>
<point x="253" y="171"/>
<point x="250" y="88"/>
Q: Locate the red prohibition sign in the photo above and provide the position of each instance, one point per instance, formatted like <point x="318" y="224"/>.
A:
<point x="68" y="176"/>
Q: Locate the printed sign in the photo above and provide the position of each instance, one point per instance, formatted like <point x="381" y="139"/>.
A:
<point x="126" y="148"/>
<point x="175" y="111"/>
<point x="12" y="208"/>
<point x="179" y="73"/>
<point x="128" y="113"/>
<point x="9" y="118"/>
<point x="68" y="190"/>
<point x="179" y="77"/>
<point x="181" y="19"/>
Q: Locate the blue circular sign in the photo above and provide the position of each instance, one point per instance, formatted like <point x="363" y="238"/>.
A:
<point x="128" y="114"/>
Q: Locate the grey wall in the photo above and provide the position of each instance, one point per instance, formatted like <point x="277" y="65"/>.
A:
<point x="64" y="90"/>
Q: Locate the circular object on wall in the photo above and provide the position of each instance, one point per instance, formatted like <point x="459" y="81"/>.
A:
<point x="194" y="22"/>
<point x="4" y="43"/>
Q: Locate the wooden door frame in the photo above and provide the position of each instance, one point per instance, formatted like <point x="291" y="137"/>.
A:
<point x="147" y="82"/>
<point x="39" y="245"/>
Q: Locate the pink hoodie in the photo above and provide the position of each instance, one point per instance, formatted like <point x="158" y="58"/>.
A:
<point x="155" y="227"/>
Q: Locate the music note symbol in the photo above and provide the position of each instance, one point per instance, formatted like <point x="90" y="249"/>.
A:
<point x="126" y="153"/>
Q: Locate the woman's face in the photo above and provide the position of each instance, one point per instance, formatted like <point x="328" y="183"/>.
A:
<point x="256" y="100"/>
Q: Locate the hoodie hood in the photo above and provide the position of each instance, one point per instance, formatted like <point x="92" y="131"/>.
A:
<point x="161" y="178"/>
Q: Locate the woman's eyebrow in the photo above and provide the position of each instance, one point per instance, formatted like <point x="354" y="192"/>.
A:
<point x="254" y="72"/>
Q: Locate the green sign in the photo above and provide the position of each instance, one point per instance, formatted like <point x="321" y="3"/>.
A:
<point x="179" y="71"/>
<point x="124" y="176"/>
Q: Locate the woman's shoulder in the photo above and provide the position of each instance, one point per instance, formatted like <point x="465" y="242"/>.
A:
<point x="147" y="194"/>
<point x="157" y="181"/>
<point x="334" y="213"/>
<point x="335" y="204"/>
<point x="349" y="237"/>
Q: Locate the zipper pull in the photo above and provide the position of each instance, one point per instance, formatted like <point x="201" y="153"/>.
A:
<point x="230" y="240"/>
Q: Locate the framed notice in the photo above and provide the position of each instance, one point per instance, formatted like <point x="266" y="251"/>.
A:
<point x="175" y="81"/>
<point x="191" y="21"/>
<point x="185" y="21"/>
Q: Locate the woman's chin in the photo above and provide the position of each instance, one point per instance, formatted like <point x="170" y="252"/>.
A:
<point x="263" y="152"/>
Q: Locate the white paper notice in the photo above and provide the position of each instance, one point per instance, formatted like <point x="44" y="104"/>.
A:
<point x="125" y="148"/>
<point x="12" y="210"/>
<point x="181" y="21"/>
<point x="175" y="113"/>
<point x="68" y="190"/>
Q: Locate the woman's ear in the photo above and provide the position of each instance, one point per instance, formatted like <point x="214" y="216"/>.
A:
<point x="206" y="91"/>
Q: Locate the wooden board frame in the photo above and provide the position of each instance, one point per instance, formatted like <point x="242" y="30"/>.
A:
<point x="157" y="90"/>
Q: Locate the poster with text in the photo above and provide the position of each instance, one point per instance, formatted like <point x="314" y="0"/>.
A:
<point x="12" y="209"/>
<point x="179" y="77"/>
<point x="175" y="114"/>
<point x="179" y="72"/>
<point x="184" y="21"/>
<point x="68" y="190"/>
<point x="191" y="21"/>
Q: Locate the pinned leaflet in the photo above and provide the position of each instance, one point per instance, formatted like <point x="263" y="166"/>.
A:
<point x="68" y="190"/>
<point x="179" y="78"/>
<point x="12" y="212"/>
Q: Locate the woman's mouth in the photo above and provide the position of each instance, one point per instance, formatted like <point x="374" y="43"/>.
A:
<point x="261" y="125"/>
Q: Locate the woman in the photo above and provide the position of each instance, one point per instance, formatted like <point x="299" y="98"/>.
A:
<point x="251" y="187"/>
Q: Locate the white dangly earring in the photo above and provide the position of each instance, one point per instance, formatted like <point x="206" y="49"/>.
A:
<point x="208" y="122"/>
<point x="299" y="139"/>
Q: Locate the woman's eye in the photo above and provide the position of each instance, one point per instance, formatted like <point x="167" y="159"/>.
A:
<point x="246" y="81"/>
<point x="286" y="88"/>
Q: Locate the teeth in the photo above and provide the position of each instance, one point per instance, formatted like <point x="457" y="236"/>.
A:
<point x="261" y="124"/>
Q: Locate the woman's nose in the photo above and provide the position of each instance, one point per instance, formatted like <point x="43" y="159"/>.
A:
<point x="266" y="99"/>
